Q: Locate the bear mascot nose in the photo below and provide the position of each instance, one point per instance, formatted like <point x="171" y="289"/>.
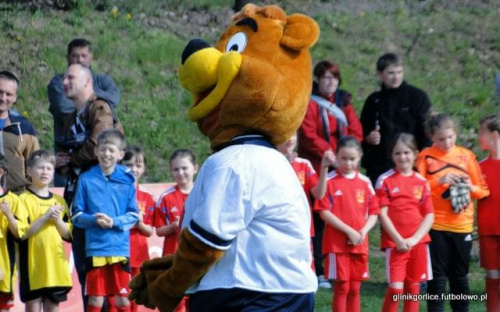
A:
<point x="193" y="46"/>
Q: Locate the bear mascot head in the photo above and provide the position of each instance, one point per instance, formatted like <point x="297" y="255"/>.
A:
<point x="250" y="92"/>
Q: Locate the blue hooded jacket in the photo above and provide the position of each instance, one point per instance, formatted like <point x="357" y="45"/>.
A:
<point x="116" y="197"/>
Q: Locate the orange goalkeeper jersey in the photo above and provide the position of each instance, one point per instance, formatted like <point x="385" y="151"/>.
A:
<point x="433" y="163"/>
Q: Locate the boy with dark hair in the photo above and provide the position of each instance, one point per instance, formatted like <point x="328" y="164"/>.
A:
<point x="397" y="107"/>
<point x="105" y="206"/>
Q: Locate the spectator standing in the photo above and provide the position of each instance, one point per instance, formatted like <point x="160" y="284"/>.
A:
<point x="135" y="160"/>
<point x="397" y="107"/>
<point x="406" y="215"/>
<point x="105" y="206"/>
<point x="13" y="226"/>
<point x="61" y="107"/>
<point x="329" y="116"/>
<point x="488" y="210"/>
<point x="454" y="177"/>
<point x="76" y="147"/>
<point x="350" y="209"/>
<point x="18" y="137"/>
<point x="44" y="281"/>
<point x="314" y="187"/>
<point x="170" y="211"/>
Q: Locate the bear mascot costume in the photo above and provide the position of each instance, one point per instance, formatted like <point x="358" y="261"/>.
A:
<point x="244" y="243"/>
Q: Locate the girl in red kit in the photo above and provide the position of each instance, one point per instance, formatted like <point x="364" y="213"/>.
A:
<point x="406" y="215"/>
<point x="488" y="213"/>
<point x="350" y="210"/>
<point x="183" y="168"/>
<point x="135" y="159"/>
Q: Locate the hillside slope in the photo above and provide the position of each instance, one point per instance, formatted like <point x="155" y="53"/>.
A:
<point x="451" y="50"/>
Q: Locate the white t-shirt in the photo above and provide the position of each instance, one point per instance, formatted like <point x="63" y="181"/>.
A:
<point x="248" y="201"/>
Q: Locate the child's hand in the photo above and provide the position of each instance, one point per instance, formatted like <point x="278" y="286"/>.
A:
<point x="410" y="242"/>
<point x="104" y="221"/>
<point x="175" y="224"/>
<point x="450" y="178"/>
<point x="5" y="209"/>
<point x="468" y="182"/>
<point x="55" y="212"/>
<point x="374" y="137"/>
<point x="355" y="238"/>
<point x="402" y="245"/>
<point x="328" y="159"/>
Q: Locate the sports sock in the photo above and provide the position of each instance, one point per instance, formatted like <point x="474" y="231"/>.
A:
<point x="341" y="289"/>
<point x="391" y="305"/>
<point x="110" y="304"/>
<point x="492" y="285"/>
<point x="93" y="309"/>
<point x="133" y="306"/>
<point x="123" y="309"/>
<point x="353" y="300"/>
<point x="412" y="305"/>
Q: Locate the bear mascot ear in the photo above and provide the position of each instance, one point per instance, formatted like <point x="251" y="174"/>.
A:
<point x="300" y="32"/>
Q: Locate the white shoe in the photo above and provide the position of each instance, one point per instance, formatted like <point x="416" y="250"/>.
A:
<point x="323" y="282"/>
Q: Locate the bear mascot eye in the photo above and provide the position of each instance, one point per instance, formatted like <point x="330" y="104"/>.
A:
<point x="237" y="42"/>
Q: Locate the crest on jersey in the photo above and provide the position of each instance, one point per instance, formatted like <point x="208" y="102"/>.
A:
<point x="360" y="196"/>
<point x="418" y="190"/>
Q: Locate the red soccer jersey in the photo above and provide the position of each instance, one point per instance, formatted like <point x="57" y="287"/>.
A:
<point x="139" y="250"/>
<point x="170" y="207"/>
<point x="488" y="208"/>
<point x="352" y="201"/>
<point x="308" y="179"/>
<point x="408" y="200"/>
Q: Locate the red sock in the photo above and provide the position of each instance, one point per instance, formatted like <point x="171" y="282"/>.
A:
<point x="340" y="292"/>
<point x="110" y="304"/>
<point x="492" y="285"/>
<point x="133" y="306"/>
<point x="391" y="305"/>
<point x="93" y="309"/>
<point x="123" y="309"/>
<point x="353" y="301"/>
<point x="412" y="305"/>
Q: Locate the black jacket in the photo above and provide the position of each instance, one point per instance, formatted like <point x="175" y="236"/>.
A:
<point x="404" y="109"/>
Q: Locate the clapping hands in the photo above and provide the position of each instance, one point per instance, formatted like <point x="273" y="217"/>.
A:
<point x="103" y="220"/>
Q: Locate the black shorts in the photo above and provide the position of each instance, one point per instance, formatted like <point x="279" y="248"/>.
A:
<point x="54" y="294"/>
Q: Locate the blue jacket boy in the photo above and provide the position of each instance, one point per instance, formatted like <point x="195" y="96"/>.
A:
<point x="116" y="197"/>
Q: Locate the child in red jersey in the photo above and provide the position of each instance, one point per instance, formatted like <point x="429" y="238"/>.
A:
<point x="406" y="215"/>
<point x="135" y="159"/>
<point x="170" y="207"/>
<point x="350" y="210"/>
<point x="313" y="186"/>
<point x="488" y="213"/>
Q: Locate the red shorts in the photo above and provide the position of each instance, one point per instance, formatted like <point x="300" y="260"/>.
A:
<point x="346" y="266"/>
<point x="108" y="280"/>
<point x="489" y="252"/>
<point x="6" y="300"/>
<point x="412" y="266"/>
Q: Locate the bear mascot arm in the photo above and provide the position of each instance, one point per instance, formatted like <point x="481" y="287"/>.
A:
<point x="257" y="79"/>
